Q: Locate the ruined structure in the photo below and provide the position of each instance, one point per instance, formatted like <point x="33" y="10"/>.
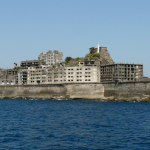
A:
<point x="105" y="58"/>
<point x="31" y="63"/>
<point x="85" y="72"/>
<point x="8" y="77"/>
<point x="122" y="72"/>
<point x="97" y="66"/>
<point x="51" y="57"/>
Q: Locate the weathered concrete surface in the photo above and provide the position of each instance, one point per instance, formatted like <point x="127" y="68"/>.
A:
<point x="52" y="91"/>
<point x="85" y="91"/>
<point x="121" y="91"/>
<point x="128" y="91"/>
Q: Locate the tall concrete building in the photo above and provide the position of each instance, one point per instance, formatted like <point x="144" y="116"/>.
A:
<point x="51" y="57"/>
<point x="122" y="72"/>
<point x="87" y="71"/>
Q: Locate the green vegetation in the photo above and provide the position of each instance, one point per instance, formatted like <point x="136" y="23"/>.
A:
<point x="67" y="60"/>
<point x="92" y="56"/>
<point x="76" y="60"/>
<point x="16" y="68"/>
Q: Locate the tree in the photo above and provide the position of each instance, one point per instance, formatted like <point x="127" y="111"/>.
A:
<point x="67" y="59"/>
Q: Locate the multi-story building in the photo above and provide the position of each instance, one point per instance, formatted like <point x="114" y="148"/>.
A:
<point x="51" y="58"/>
<point x="122" y="72"/>
<point x="85" y="72"/>
<point x="8" y="77"/>
<point x="31" y="63"/>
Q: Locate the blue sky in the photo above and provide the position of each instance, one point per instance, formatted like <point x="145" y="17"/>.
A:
<point x="29" y="27"/>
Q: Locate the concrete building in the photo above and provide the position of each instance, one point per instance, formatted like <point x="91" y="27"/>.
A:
<point x="31" y="63"/>
<point x="85" y="72"/>
<point x="51" y="57"/>
<point x="8" y="77"/>
<point x="122" y="72"/>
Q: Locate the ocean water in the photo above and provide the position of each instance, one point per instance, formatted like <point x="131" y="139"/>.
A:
<point x="75" y="124"/>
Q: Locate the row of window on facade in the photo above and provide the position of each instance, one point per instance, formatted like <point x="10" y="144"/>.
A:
<point x="61" y="69"/>
<point x="63" y="80"/>
<point x="62" y="73"/>
<point x="60" y="77"/>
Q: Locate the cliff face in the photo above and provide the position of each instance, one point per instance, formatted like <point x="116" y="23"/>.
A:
<point x="105" y="58"/>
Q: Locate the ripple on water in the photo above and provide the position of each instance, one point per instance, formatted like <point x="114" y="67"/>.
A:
<point x="79" y="124"/>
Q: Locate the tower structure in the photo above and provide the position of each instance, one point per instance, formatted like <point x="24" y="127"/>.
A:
<point x="98" y="48"/>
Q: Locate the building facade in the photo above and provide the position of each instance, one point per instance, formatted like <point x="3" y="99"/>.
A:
<point x="31" y="63"/>
<point x="8" y="77"/>
<point x="51" y="58"/>
<point x="122" y="72"/>
<point x="88" y="71"/>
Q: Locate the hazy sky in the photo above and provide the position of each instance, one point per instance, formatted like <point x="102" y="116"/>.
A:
<point x="29" y="27"/>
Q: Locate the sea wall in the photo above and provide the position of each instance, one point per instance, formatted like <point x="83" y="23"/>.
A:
<point x="112" y="91"/>
<point x="127" y="91"/>
<point x="52" y="91"/>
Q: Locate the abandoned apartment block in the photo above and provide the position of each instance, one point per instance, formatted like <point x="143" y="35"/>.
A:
<point x="51" y="58"/>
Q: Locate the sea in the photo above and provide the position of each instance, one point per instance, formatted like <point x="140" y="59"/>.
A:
<point x="74" y="124"/>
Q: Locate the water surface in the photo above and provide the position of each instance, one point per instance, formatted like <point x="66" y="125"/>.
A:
<point x="75" y="124"/>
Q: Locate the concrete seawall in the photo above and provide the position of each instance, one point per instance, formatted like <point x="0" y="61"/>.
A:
<point x="111" y="91"/>
<point x="127" y="91"/>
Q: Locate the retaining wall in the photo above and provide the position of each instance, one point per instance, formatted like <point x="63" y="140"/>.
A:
<point x="109" y="91"/>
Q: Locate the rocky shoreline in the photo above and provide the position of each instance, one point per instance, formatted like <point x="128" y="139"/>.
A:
<point x="108" y="99"/>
